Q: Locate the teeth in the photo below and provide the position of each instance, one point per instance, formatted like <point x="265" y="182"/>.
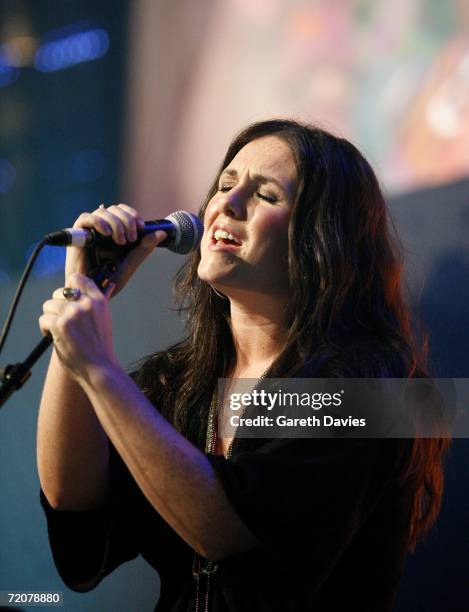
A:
<point x="223" y="234"/>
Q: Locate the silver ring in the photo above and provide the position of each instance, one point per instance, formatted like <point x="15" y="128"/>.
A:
<point x="101" y="206"/>
<point x="72" y="294"/>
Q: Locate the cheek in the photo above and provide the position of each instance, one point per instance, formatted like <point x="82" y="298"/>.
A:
<point x="211" y="211"/>
<point x="276" y="229"/>
<point x="274" y="251"/>
<point x="209" y="216"/>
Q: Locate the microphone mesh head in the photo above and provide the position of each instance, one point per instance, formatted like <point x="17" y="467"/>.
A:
<point x="189" y="230"/>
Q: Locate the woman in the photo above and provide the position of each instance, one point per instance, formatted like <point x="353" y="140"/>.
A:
<point x="305" y="282"/>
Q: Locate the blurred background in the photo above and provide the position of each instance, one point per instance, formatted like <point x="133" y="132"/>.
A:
<point x="119" y="101"/>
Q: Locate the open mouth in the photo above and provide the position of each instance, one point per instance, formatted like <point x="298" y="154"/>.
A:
<point x="224" y="237"/>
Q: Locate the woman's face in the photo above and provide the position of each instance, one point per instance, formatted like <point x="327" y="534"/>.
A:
<point x="245" y="241"/>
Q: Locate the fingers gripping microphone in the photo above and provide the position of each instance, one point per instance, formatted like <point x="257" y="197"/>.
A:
<point x="184" y="231"/>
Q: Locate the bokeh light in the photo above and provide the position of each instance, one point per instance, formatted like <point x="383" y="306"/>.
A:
<point x="51" y="261"/>
<point x="9" y="72"/>
<point x="70" y="50"/>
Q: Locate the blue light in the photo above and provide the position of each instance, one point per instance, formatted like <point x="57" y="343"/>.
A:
<point x="7" y="175"/>
<point x="8" y="72"/>
<point x="51" y="261"/>
<point x="76" y="48"/>
<point x="81" y="47"/>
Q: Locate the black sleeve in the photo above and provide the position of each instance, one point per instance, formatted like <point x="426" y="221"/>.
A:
<point x="308" y="494"/>
<point x="86" y="546"/>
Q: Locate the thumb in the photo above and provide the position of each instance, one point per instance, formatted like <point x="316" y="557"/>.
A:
<point x="150" y="241"/>
<point x="146" y="246"/>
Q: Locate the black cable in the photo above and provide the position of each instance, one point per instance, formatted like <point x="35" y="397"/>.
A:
<point x="19" y="291"/>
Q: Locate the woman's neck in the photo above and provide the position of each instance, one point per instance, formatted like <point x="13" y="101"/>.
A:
<point x="259" y="333"/>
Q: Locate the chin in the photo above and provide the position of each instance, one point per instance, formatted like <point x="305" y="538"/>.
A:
<point x="212" y="274"/>
<point x="204" y="274"/>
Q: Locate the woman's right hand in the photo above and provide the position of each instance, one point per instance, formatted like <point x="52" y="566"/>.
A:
<point x="121" y="222"/>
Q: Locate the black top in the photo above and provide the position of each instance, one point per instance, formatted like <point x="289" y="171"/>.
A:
<point x="330" y="516"/>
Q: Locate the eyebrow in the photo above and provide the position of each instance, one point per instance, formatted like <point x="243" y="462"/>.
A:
<point x="257" y="177"/>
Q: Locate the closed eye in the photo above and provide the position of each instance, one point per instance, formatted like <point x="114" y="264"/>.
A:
<point x="268" y="198"/>
<point x="263" y="196"/>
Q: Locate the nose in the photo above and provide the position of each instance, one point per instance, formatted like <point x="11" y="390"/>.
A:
<point x="233" y="202"/>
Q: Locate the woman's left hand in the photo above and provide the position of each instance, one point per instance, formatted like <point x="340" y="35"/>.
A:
<point x="81" y="328"/>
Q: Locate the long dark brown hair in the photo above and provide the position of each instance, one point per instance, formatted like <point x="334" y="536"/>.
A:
<point x="346" y="301"/>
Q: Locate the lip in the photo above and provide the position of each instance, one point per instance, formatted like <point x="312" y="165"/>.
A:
<point x="225" y="228"/>
<point x="222" y="246"/>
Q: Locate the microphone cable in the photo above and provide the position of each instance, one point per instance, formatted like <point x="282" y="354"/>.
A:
<point x="19" y="291"/>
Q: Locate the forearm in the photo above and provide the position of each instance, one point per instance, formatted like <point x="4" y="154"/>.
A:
<point x="175" y="476"/>
<point x="72" y="447"/>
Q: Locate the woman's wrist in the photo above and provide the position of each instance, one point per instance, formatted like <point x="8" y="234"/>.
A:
<point x="97" y="376"/>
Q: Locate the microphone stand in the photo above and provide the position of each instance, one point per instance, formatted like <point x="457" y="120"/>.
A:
<point x="13" y="376"/>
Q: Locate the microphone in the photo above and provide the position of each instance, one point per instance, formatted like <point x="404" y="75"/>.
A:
<point x="184" y="231"/>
